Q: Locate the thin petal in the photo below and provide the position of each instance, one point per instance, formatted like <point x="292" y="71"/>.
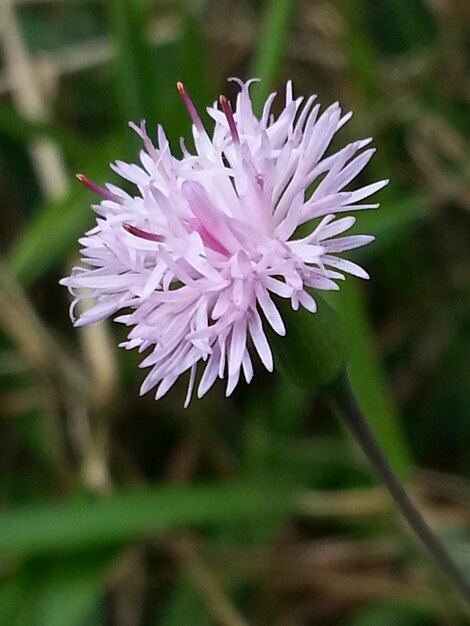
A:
<point x="261" y="344"/>
<point x="269" y="309"/>
<point x="348" y="243"/>
<point x="210" y="373"/>
<point x="192" y="378"/>
<point x="237" y="346"/>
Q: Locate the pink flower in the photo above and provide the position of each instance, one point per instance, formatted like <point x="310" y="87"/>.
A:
<point x="195" y="256"/>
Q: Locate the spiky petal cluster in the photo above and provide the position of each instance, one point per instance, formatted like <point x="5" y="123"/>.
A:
<point x="195" y="256"/>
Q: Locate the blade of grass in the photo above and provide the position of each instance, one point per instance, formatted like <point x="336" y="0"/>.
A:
<point x="183" y="60"/>
<point x="135" y="70"/>
<point x="396" y="219"/>
<point x="20" y="128"/>
<point x="366" y="375"/>
<point x="401" y="26"/>
<point x="53" y="230"/>
<point x="72" y="588"/>
<point x="368" y="380"/>
<point x="56" y="225"/>
<point x="402" y="613"/>
<point x="124" y="517"/>
<point x="270" y="48"/>
<point x="54" y="592"/>
<point x="49" y="236"/>
<point x="393" y="221"/>
<point x="360" y="50"/>
<point x="185" y="606"/>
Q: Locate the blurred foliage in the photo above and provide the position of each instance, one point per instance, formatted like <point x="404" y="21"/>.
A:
<point x="258" y="509"/>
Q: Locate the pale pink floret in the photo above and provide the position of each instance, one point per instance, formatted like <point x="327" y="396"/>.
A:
<point x="194" y="258"/>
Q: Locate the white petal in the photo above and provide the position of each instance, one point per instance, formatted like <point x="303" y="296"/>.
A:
<point x="345" y="266"/>
<point x="192" y="378"/>
<point x="210" y="373"/>
<point x="247" y="367"/>
<point x="365" y="192"/>
<point x="232" y="382"/>
<point x="336" y="227"/>
<point x="307" y="301"/>
<point x="165" y="386"/>
<point x="260" y="342"/>
<point x="237" y="346"/>
<point x="347" y="243"/>
<point x="269" y="309"/>
<point x="277" y="286"/>
<point x="353" y="168"/>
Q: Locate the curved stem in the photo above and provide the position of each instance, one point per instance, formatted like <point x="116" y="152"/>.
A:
<point x="347" y="407"/>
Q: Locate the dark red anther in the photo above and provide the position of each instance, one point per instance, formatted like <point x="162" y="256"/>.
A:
<point x="188" y="103"/>
<point x="100" y="191"/>
<point x="227" y="109"/>
<point x="143" y="234"/>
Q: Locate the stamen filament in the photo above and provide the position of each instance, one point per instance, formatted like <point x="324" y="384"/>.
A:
<point x="227" y="109"/>
<point x="188" y="103"/>
<point x="100" y="191"/>
<point x="143" y="234"/>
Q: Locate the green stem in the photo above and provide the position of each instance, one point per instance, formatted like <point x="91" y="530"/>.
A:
<point x="348" y="409"/>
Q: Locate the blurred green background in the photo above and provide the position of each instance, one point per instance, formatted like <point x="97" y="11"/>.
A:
<point x="258" y="509"/>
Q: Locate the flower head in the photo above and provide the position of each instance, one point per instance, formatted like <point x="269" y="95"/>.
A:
<point x="193" y="259"/>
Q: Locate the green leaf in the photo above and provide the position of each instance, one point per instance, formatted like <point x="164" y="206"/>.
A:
<point x="20" y="128"/>
<point x="136" y="77"/>
<point x="55" y="591"/>
<point x="190" y="58"/>
<point x="368" y="380"/>
<point x="52" y="232"/>
<point x="185" y="607"/>
<point x="270" y="49"/>
<point x="401" y="614"/>
<point x="182" y="60"/>
<point x="124" y="517"/>
<point x="314" y="351"/>
<point x="360" y="49"/>
<point x="12" y="595"/>
<point x="400" y="27"/>
<point x="50" y="235"/>
<point x="72" y="589"/>
<point x="396" y="219"/>
<point x="273" y="419"/>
